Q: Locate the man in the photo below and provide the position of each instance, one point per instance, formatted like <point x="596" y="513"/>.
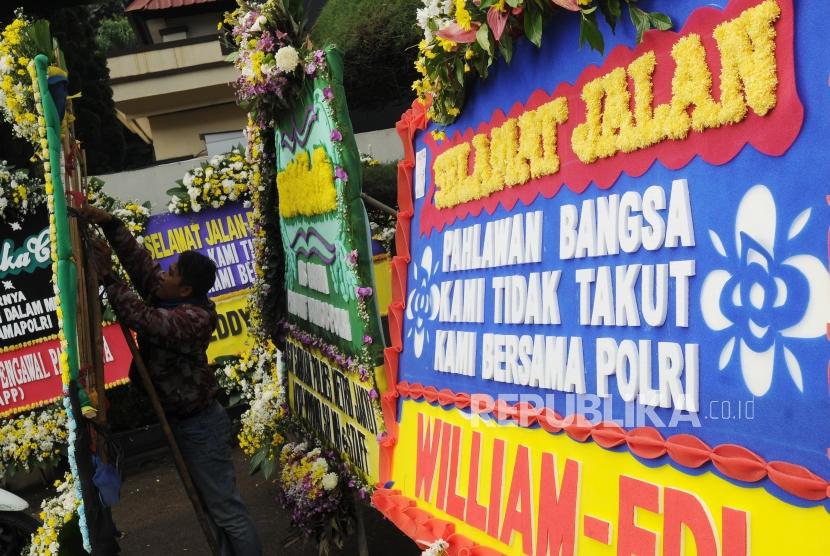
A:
<point x="174" y="321"/>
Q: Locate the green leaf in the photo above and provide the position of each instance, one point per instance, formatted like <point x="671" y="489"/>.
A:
<point x="506" y="47"/>
<point x="486" y="4"/>
<point x="257" y="460"/>
<point x="589" y="32"/>
<point x="268" y="467"/>
<point x="234" y="399"/>
<point x="660" y="21"/>
<point x="481" y="64"/>
<point x="611" y="10"/>
<point x="39" y="34"/>
<point x="459" y="70"/>
<point x="483" y="38"/>
<point x="533" y="24"/>
<point x="640" y="20"/>
<point x="514" y="3"/>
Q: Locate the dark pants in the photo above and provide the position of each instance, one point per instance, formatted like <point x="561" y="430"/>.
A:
<point x="204" y="441"/>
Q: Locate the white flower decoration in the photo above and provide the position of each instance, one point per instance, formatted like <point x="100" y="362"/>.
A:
<point x="329" y="481"/>
<point x="762" y="302"/>
<point x="286" y="59"/>
<point x="423" y="301"/>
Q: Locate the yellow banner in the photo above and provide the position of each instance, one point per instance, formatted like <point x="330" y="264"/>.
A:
<point x="340" y="410"/>
<point x="525" y="491"/>
<point x="383" y="283"/>
<point x="231" y="335"/>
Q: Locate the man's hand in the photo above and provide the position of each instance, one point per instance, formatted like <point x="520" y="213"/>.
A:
<point x="101" y="258"/>
<point x="94" y="214"/>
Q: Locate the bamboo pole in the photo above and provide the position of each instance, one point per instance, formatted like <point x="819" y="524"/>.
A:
<point x="181" y="467"/>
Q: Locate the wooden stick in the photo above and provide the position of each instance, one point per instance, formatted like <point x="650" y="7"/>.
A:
<point x="96" y="335"/>
<point x="181" y="467"/>
<point x="377" y="204"/>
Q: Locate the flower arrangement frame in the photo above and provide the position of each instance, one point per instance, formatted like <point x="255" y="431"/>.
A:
<point x="222" y="179"/>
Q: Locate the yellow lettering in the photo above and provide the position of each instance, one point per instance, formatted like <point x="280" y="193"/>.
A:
<point x="691" y="86"/>
<point x="548" y="117"/>
<point x="507" y="167"/>
<point x="607" y="115"/>
<point x="748" y="66"/>
<point x="647" y="129"/>
<point x="748" y="79"/>
<point x="239" y="223"/>
<point x="450" y="170"/>
<point x="179" y="239"/>
<point x="196" y="238"/>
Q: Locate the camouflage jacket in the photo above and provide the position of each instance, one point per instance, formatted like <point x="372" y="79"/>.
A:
<point x="172" y="336"/>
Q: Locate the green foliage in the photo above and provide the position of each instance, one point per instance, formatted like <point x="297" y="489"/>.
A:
<point x="115" y="34"/>
<point x="100" y="132"/>
<point x="377" y="40"/>
<point x="381" y="182"/>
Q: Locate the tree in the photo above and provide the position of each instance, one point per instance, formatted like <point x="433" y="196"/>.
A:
<point x="378" y="40"/>
<point x="96" y="126"/>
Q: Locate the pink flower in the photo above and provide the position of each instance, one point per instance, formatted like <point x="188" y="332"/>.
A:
<point x="454" y="33"/>
<point x="363" y="291"/>
<point x="328" y="94"/>
<point x="373" y="394"/>
<point x="336" y="135"/>
<point x="567" y="4"/>
<point x="497" y="20"/>
<point x="341" y="174"/>
<point x="367" y="339"/>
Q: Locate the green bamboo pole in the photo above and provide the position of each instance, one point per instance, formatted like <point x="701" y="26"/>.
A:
<point x="64" y="265"/>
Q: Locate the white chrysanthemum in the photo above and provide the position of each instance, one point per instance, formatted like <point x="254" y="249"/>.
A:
<point x="286" y="59"/>
<point x="329" y="481"/>
<point x="187" y="180"/>
<point x="6" y="64"/>
<point x="196" y="207"/>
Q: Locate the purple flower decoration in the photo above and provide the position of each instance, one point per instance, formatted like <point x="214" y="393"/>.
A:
<point x="319" y="56"/>
<point x="367" y="339"/>
<point x="363" y="291"/>
<point x="373" y="394"/>
<point x="311" y="68"/>
<point x="341" y="174"/>
<point x="353" y="256"/>
<point x="336" y="135"/>
<point x="328" y="94"/>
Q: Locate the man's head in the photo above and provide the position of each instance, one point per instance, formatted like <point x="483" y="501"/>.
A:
<point x="191" y="276"/>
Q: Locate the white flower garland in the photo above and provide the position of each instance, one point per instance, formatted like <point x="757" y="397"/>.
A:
<point x="32" y="440"/>
<point x="20" y="194"/>
<point x="55" y="513"/>
<point x="223" y="179"/>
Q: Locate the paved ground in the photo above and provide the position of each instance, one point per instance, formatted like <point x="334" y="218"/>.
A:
<point x="158" y="519"/>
